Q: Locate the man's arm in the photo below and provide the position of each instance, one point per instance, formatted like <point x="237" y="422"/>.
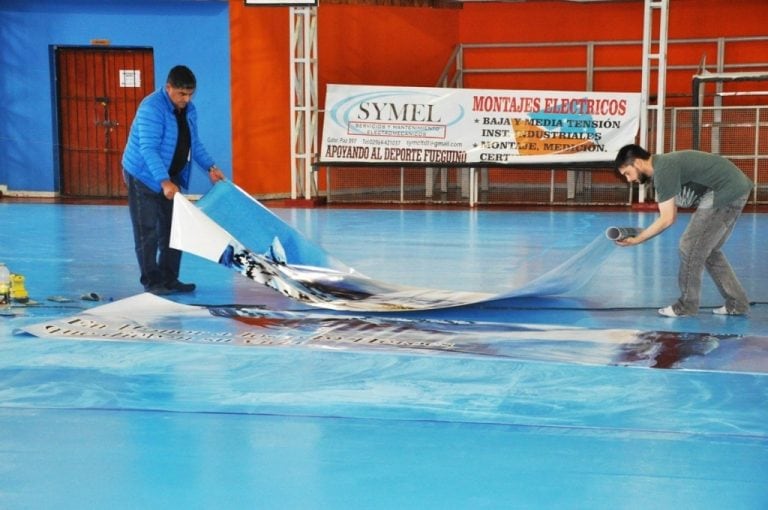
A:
<point x="150" y="125"/>
<point x="667" y="216"/>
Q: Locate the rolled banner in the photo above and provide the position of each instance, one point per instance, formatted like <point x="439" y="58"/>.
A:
<point x="621" y="233"/>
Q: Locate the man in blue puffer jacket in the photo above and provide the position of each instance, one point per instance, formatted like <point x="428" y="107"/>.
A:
<point x="162" y="144"/>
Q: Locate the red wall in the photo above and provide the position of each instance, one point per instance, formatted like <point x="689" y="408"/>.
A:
<point x="261" y="148"/>
<point x="410" y="46"/>
<point x="356" y="44"/>
<point x="532" y="22"/>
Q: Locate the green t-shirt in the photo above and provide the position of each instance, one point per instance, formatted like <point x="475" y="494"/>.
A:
<point x="698" y="179"/>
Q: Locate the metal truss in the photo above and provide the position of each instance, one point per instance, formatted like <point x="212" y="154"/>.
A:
<point x="304" y="98"/>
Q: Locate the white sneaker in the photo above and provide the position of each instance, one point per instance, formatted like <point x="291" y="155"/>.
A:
<point x="668" y="311"/>
<point x="724" y="311"/>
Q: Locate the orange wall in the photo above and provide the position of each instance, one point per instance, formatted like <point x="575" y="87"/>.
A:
<point x="543" y="21"/>
<point x="369" y="45"/>
<point x="572" y="21"/>
<point x="356" y="45"/>
<point x="410" y="46"/>
<point x="261" y="151"/>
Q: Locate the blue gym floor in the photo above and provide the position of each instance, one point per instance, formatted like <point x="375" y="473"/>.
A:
<point x="349" y="422"/>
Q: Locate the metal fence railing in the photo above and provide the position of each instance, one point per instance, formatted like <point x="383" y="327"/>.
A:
<point x="738" y="133"/>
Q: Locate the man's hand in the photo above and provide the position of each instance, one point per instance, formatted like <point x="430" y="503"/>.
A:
<point x="215" y="174"/>
<point x="628" y="241"/>
<point x="169" y="189"/>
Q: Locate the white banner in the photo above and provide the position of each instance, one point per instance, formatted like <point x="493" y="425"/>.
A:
<point x="420" y="126"/>
<point x="332" y="285"/>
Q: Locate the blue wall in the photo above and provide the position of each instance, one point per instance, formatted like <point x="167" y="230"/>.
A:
<point x="194" y="33"/>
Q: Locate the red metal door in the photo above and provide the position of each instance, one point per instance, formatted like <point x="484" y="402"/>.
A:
<point x="99" y="90"/>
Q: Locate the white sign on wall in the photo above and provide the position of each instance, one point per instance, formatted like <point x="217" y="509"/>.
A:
<point x="130" y="78"/>
<point x="424" y="126"/>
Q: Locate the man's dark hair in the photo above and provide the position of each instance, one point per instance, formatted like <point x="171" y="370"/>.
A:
<point x="181" y="77"/>
<point x="628" y="154"/>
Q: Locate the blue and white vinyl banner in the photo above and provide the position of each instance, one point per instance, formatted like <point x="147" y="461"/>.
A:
<point x="233" y="229"/>
<point x="421" y="126"/>
<point x="149" y="318"/>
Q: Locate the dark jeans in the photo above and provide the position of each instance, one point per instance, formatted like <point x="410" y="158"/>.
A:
<point x="151" y="215"/>
<point x="700" y="249"/>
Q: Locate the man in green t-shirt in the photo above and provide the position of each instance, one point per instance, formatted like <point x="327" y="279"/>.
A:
<point x="718" y="190"/>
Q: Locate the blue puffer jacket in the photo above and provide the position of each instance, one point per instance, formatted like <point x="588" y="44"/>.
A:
<point x="152" y="141"/>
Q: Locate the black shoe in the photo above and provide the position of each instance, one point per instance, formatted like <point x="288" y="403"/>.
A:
<point x="158" y="290"/>
<point x="180" y="287"/>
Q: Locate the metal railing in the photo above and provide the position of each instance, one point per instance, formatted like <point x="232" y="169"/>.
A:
<point x="596" y="58"/>
<point x="738" y="133"/>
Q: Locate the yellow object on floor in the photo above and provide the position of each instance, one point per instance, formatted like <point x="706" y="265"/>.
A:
<point x="18" y="292"/>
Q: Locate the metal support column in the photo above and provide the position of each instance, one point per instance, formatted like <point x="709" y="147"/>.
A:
<point x="304" y="110"/>
<point x="656" y="11"/>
